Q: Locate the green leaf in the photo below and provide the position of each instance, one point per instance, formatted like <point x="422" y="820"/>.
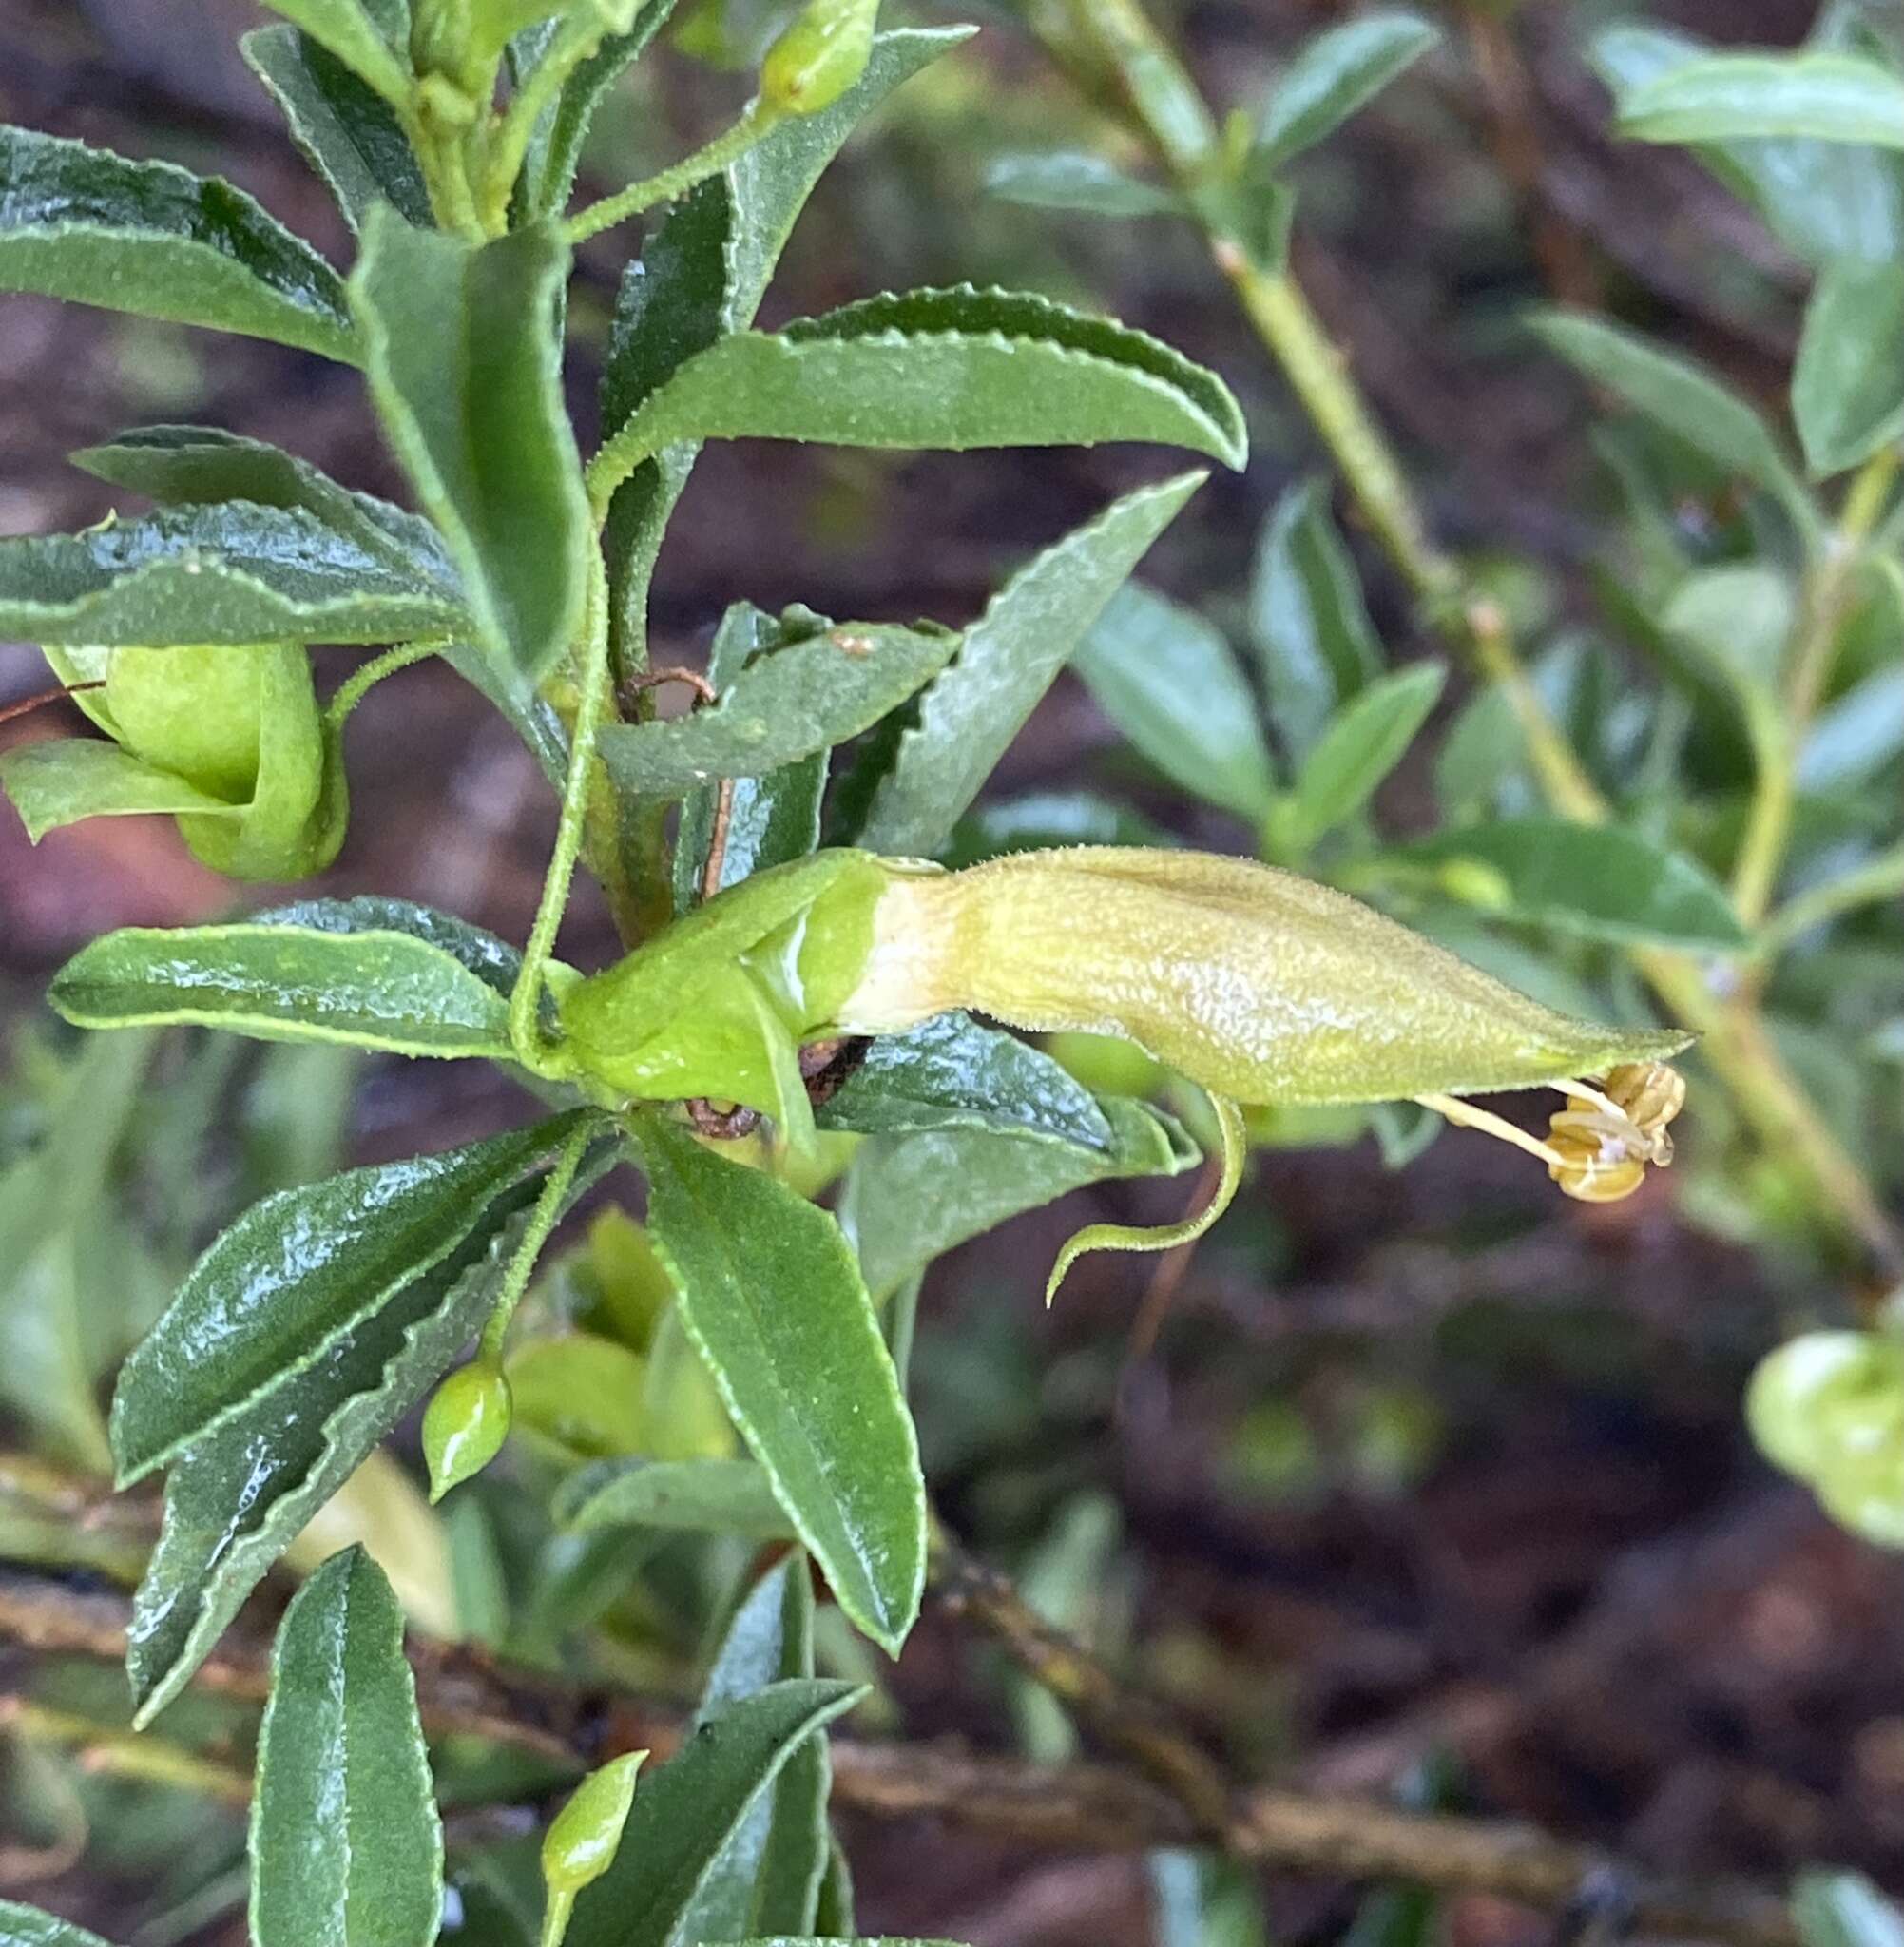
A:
<point x="232" y="573"/>
<point x="1843" y="1910"/>
<point x="242" y="1491"/>
<point x="492" y="960"/>
<point x="465" y="367"/>
<point x="1309" y="628"/>
<point x="345" y="130"/>
<point x="1598" y="881"/>
<point x="1171" y="682"/>
<point x="346" y="28"/>
<point x="62" y="780"/>
<point x="1680" y="396"/>
<point x="688" y="1809"/>
<point x="1848" y="386"/>
<point x="1359" y="749"/>
<point x="1075" y="180"/>
<point x="88" y="225"/>
<point x="911" y="1199"/>
<point x="976" y="705"/>
<point x="1732" y="97"/>
<point x="774" y="1304"/>
<point x="801" y="699"/>
<point x="386" y="990"/>
<point x="1334" y="73"/>
<point x="27" y="1927"/>
<point x="704" y="1495"/>
<point x="1856" y="735"/>
<point x="950" y="1072"/>
<point x="1043" y="820"/>
<point x="952" y="369"/>
<point x="346" y="1848"/>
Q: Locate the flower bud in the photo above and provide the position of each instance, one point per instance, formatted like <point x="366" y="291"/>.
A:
<point x="822" y="54"/>
<point x="581" y="1839"/>
<point x="465" y="1424"/>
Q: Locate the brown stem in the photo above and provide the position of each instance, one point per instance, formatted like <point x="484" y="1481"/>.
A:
<point x="26" y="705"/>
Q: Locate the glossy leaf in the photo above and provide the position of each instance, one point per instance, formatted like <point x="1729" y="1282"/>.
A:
<point x="386" y="990"/>
<point x="1006" y="661"/>
<point x="1359" y="749"/>
<point x="347" y="133"/>
<point x="233" y="573"/>
<point x="347" y="30"/>
<point x="1599" y="881"/>
<point x="1729" y="97"/>
<point x="61" y="780"/>
<point x="689" y="1808"/>
<point x="1334" y="73"/>
<point x="949" y="1073"/>
<point x="1171" y="682"/>
<point x="911" y="1199"/>
<point x="709" y="1497"/>
<point x="346" y="1848"/>
<point x="27" y="1927"/>
<point x="952" y="369"/>
<point x="1310" y="629"/>
<point x="492" y="960"/>
<point x="776" y="1306"/>
<point x="1075" y="180"/>
<point x="1848" y="386"/>
<point x="784" y="707"/>
<point x="1044" y="819"/>
<point x="465" y="369"/>
<point x="85" y="224"/>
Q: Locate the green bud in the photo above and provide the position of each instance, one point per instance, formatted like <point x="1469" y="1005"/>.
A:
<point x="1828" y="1407"/>
<point x="581" y="1839"/>
<point x="465" y="1424"/>
<point x="820" y="56"/>
<point x="1476" y="883"/>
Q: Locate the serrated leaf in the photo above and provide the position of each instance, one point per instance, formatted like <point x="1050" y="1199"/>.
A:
<point x="85" y="224"/>
<point x="1729" y="97"/>
<point x="950" y="370"/>
<point x="1848" y="385"/>
<point x="465" y="368"/>
<point x="27" y="1927"/>
<point x="228" y="573"/>
<point x="801" y="699"/>
<point x="1679" y="395"/>
<point x="975" y="707"/>
<point x="950" y="1072"/>
<point x="1334" y="73"/>
<point x="688" y="1809"/>
<point x="707" y="1496"/>
<point x="1075" y="180"/>
<point x="62" y="780"/>
<point x="1359" y="749"/>
<point x="346" y="1847"/>
<point x="774" y="1304"/>
<point x="1599" y="881"/>
<point x="386" y="990"/>
<point x="346" y="131"/>
<point x="1314" y="642"/>
<point x="911" y="1199"/>
<point x="1171" y="683"/>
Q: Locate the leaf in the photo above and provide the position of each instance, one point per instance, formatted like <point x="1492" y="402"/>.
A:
<point x="62" y="780"/>
<point x="1848" y="386"/>
<point x="801" y="699"/>
<point x="709" y="1497"/>
<point x="1359" y="749"/>
<point x="345" y="130"/>
<point x="1728" y="97"/>
<point x="85" y="224"/>
<point x="688" y="1809"/>
<point x="1173" y="686"/>
<point x="492" y="960"/>
<point x="774" y="1304"/>
<point x="950" y="1072"/>
<point x="1074" y="180"/>
<point x="910" y="1200"/>
<point x="1336" y="72"/>
<point x="1311" y="631"/>
<point x="1677" y="394"/>
<point x="1598" y="881"/>
<point x="27" y="1927"/>
<point x="951" y="369"/>
<point x="233" y="573"/>
<point x="239" y="1494"/>
<point x="1856" y="735"/>
<point x="280" y="982"/>
<point x="1843" y="1910"/>
<point x="1041" y="820"/>
<point x="346" y="1848"/>
<point x="465" y="368"/>
<point x="976" y="705"/>
<point x="346" y="28"/>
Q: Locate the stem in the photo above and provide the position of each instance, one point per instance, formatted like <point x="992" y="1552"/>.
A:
<point x="707" y="161"/>
<point x="517" y="129"/>
<point x="351" y="691"/>
<point x="555" y="1918"/>
<point x="543" y="1219"/>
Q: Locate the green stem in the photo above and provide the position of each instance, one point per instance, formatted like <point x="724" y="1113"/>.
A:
<point x="351" y="691"/>
<point x="516" y="130"/>
<point x="541" y="1221"/>
<point x="715" y="156"/>
<point x="555" y="1918"/>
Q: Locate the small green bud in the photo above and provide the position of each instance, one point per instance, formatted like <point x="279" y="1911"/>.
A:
<point x="581" y="1839"/>
<point x="465" y="1424"/>
<point x="820" y="56"/>
<point x="1476" y="883"/>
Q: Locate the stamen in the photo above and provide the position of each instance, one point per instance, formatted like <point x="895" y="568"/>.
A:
<point x="1467" y="1116"/>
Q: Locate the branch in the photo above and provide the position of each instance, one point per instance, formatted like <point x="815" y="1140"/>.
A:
<point x="1084" y="1808"/>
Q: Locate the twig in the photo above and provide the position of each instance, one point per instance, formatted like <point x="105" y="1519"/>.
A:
<point x="27" y="704"/>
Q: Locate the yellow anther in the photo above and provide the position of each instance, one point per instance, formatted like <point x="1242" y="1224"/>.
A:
<point x="1607" y="1135"/>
